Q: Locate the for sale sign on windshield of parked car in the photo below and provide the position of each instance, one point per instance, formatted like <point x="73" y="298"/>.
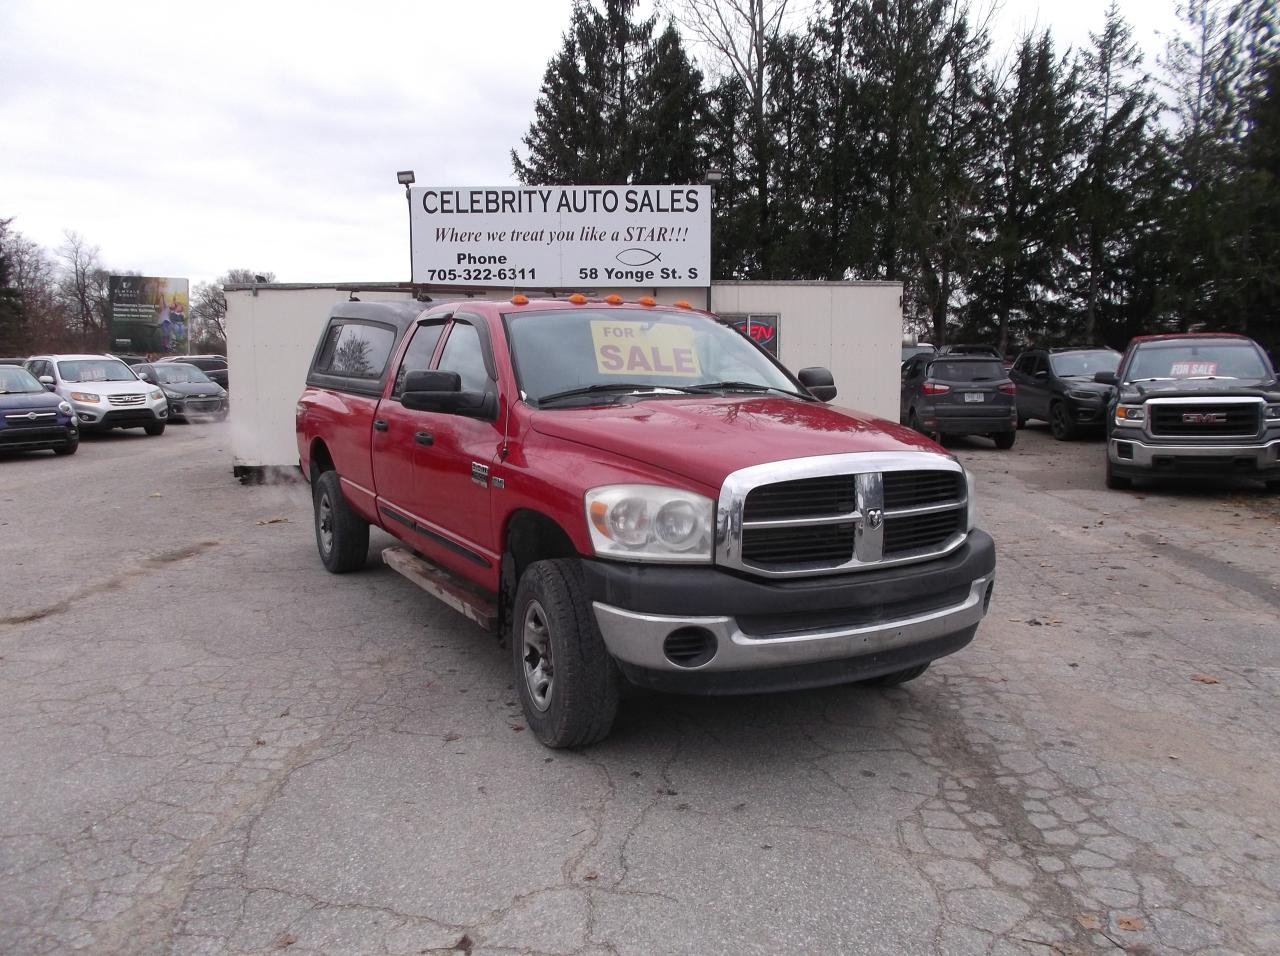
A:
<point x="561" y="237"/>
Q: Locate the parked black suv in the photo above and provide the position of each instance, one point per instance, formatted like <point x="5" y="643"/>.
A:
<point x="1193" y="404"/>
<point x="1057" y="386"/>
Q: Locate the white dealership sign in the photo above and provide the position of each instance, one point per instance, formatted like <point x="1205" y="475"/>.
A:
<point x="561" y="237"/>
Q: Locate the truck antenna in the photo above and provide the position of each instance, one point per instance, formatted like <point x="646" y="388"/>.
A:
<point x="506" y="425"/>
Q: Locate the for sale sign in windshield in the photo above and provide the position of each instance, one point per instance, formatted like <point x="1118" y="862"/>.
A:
<point x="561" y="237"/>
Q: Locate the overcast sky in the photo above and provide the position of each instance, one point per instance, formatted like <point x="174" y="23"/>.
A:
<point x="188" y="138"/>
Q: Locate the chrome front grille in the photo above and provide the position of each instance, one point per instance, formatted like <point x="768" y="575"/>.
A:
<point x="841" y="513"/>
<point x="126" y="399"/>
<point x="30" y="419"/>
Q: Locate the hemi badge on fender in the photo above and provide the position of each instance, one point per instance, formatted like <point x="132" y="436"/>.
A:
<point x="498" y="483"/>
<point x="480" y="474"/>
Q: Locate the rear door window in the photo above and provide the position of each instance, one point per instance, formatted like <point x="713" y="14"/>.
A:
<point x="355" y="349"/>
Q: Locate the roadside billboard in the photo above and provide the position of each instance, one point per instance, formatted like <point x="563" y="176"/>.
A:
<point x="561" y="237"/>
<point x="149" y="315"/>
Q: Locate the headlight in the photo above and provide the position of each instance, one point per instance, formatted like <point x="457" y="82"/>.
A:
<point x="64" y="408"/>
<point x="157" y="395"/>
<point x="169" y="394"/>
<point x="1082" y="395"/>
<point x="84" y="397"/>
<point x="1273" y="413"/>
<point x="1130" y="414"/>
<point x="650" y="523"/>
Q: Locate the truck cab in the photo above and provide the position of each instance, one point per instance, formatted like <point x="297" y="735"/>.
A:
<point x="629" y="492"/>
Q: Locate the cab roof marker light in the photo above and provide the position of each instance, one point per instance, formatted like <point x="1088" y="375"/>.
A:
<point x="614" y="299"/>
<point x="647" y="300"/>
<point x="578" y="298"/>
<point x="519" y="299"/>
<point x="682" y="304"/>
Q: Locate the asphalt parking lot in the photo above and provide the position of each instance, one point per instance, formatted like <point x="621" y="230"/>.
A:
<point x="209" y="745"/>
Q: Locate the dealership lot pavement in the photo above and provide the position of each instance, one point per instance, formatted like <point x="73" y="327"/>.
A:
<point x="208" y="744"/>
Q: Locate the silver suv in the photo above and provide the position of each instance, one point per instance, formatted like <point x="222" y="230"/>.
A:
<point x="103" y="391"/>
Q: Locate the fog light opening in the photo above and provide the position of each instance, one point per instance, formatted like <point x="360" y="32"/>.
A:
<point x="689" y="646"/>
<point x="1124" y="450"/>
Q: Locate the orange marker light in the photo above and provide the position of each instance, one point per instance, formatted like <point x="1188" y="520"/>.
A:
<point x="577" y="298"/>
<point x="519" y="300"/>
<point x="614" y="299"/>
<point x="683" y="304"/>
<point x="647" y="300"/>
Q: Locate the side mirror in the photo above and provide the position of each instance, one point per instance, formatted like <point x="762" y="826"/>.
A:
<point x="47" y="382"/>
<point x="440" y="391"/>
<point x="145" y="376"/>
<point x="1105" y="378"/>
<point x="819" y="382"/>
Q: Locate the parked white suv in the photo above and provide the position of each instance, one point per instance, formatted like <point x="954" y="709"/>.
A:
<point x="104" y="392"/>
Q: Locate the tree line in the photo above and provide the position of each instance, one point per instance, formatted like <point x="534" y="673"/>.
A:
<point x="57" y="300"/>
<point x="1038" y="194"/>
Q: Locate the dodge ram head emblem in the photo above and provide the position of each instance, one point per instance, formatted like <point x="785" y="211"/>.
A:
<point x="1204" y="418"/>
<point x="875" y="518"/>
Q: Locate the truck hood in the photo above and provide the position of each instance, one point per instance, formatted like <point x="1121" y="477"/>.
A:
<point x="1206" y="387"/>
<point x="705" y="439"/>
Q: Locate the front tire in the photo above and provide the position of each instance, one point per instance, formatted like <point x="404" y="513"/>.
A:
<point x="70" y="448"/>
<point x="342" y="536"/>
<point x="1273" y="485"/>
<point x="154" y="429"/>
<point x="1004" y="440"/>
<point x="567" y="682"/>
<point x="1060" y="423"/>
<point x="899" y="677"/>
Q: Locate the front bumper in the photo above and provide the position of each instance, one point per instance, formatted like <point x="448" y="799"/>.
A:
<point x="1141" y="456"/>
<point x="197" y="407"/>
<point x="92" y="415"/>
<point x="777" y="635"/>
<point x="31" y="439"/>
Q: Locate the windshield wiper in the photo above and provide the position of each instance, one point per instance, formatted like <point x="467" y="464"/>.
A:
<point x="1205" y="378"/>
<point x="741" y="387"/>
<point x="608" y="387"/>
<point x="1153" y="378"/>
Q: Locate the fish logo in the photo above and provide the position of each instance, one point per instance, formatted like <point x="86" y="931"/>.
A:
<point x="637" y="257"/>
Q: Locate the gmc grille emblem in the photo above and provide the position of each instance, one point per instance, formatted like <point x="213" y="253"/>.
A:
<point x="1204" y="418"/>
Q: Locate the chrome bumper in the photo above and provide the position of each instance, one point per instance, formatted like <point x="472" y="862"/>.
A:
<point x="638" y="638"/>
<point x="1266" y="454"/>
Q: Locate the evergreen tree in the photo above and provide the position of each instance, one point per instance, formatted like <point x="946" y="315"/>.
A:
<point x="1029" y="133"/>
<point x="1116" y="274"/>
<point x="608" y="99"/>
<point x="12" y="323"/>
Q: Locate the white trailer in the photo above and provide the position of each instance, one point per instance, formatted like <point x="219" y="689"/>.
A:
<point x="852" y="328"/>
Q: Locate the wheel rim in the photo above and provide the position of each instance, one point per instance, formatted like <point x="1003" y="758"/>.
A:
<point x="539" y="672"/>
<point x="324" y="523"/>
<point x="1059" y="422"/>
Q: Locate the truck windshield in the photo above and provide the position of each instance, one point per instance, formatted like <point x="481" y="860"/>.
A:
<point x="95" y="370"/>
<point x="1085" y="364"/>
<point x="559" y="351"/>
<point x="1191" y="359"/>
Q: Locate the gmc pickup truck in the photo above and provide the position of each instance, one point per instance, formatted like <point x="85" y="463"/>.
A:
<point x="1193" y="404"/>
<point x="635" y="492"/>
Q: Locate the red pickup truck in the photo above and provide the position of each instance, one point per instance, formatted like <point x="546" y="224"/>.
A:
<point x="635" y="492"/>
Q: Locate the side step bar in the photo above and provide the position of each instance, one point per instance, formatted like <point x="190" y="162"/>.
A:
<point x="442" y="585"/>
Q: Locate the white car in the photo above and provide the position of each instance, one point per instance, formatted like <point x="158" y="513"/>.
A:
<point x="104" y="392"/>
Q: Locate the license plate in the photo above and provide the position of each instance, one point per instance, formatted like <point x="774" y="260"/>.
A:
<point x="973" y="396"/>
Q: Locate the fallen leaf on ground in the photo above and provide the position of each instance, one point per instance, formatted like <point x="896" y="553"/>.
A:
<point x="273" y="521"/>
<point x="1088" y="922"/>
<point x="592" y="876"/>
<point x="284" y="941"/>
<point x="1205" y="679"/>
<point x="1131" y="922"/>
<point x="155" y="494"/>
<point x="1174" y="757"/>
<point x="452" y="737"/>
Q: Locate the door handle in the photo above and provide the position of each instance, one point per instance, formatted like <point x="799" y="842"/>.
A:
<point x="424" y="438"/>
<point x="380" y="425"/>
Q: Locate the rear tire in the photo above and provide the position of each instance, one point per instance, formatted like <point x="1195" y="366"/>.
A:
<point x="156" y="428"/>
<point x="1273" y="485"/>
<point x="342" y="536"/>
<point x="567" y="682"/>
<point x="1117" y="482"/>
<point x="898" y="677"/>
<point x="1022" y="421"/>
<point x="1060" y="423"/>
<point x="1004" y="440"/>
